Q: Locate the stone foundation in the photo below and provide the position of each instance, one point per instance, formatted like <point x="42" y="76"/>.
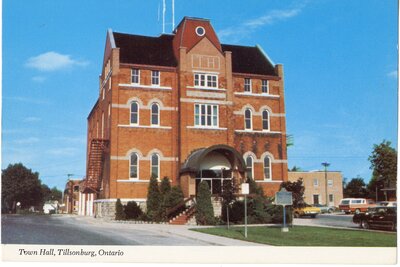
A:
<point x="105" y="208"/>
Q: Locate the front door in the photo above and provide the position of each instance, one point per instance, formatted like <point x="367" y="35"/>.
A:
<point x="316" y="199"/>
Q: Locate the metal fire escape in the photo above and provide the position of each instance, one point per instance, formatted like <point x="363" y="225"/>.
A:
<point x="94" y="170"/>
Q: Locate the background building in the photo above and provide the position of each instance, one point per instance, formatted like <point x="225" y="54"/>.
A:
<point x="315" y="186"/>
<point x="71" y="196"/>
<point x="185" y="106"/>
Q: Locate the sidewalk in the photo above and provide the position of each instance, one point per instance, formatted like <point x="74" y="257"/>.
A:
<point x="176" y="230"/>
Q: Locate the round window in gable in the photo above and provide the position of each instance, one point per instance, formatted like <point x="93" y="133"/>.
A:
<point x="200" y="31"/>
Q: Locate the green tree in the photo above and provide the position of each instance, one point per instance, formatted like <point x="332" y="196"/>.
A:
<point x="204" y="208"/>
<point x="20" y="184"/>
<point x="119" y="211"/>
<point x="165" y="189"/>
<point x="153" y="202"/>
<point x="384" y="163"/>
<point x="174" y="197"/>
<point x="132" y="210"/>
<point x="229" y="189"/>
<point x="297" y="189"/>
<point x="355" y="188"/>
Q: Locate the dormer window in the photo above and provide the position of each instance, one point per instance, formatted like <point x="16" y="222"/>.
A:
<point x="200" y="31"/>
<point x="205" y="80"/>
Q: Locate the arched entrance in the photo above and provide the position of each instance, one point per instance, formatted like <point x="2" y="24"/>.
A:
<point x="213" y="165"/>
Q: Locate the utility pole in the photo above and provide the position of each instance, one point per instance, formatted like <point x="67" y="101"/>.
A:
<point x="326" y="165"/>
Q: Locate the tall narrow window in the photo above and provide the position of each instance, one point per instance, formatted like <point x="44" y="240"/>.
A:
<point x="247" y="85"/>
<point x="265" y="120"/>
<point x="155" y="165"/>
<point x="264" y="86"/>
<point x="247" y="119"/>
<point x="134" y="166"/>
<point x="155" y="114"/>
<point x="249" y="167"/>
<point x="134" y="113"/>
<point x="267" y="168"/>
<point x="155" y="77"/>
<point x="102" y="124"/>
<point x="206" y="115"/>
<point x="135" y="76"/>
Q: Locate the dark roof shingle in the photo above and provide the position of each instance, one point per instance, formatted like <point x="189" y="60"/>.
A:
<point x="247" y="59"/>
<point x="137" y="49"/>
<point x="158" y="51"/>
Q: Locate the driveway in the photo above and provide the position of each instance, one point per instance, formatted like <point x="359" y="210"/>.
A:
<point x="79" y="230"/>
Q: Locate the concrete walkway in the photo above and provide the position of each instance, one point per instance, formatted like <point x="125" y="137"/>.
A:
<point x="174" y="230"/>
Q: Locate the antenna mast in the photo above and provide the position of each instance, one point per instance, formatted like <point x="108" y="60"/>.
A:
<point x="173" y="15"/>
<point x="163" y="17"/>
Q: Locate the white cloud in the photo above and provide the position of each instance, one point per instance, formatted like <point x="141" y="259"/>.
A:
<point x="52" y="61"/>
<point x="32" y="119"/>
<point x="27" y="141"/>
<point x="63" y="151"/>
<point x="392" y="74"/>
<point x="237" y="32"/>
<point x="38" y="79"/>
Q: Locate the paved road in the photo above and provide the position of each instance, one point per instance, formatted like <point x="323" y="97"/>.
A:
<point x="78" y="230"/>
<point x="335" y="220"/>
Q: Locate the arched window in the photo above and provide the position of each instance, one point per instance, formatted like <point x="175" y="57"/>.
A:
<point x="134" y="166"/>
<point x="249" y="167"/>
<point x="247" y="119"/>
<point x="265" y="120"/>
<point x="267" y="168"/>
<point x="155" y="165"/>
<point x="155" y="114"/>
<point x="134" y="113"/>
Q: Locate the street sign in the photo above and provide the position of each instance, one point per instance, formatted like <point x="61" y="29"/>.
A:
<point x="284" y="198"/>
<point x="245" y="189"/>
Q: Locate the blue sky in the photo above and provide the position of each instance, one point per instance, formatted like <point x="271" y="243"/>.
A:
<point x="339" y="57"/>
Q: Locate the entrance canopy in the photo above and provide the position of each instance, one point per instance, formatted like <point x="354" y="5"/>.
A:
<point x="214" y="157"/>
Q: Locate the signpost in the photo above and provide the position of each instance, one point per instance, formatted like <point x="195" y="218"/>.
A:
<point x="284" y="198"/>
<point x="245" y="192"/>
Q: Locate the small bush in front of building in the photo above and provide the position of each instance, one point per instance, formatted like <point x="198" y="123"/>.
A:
<point x="174" y="198"/>
<point x="132" y="210"/>
<point x="276" y="213"/>
<point x="165" y="189"/>
<point x="204" y="208"/>
<point x="119" y="211"/>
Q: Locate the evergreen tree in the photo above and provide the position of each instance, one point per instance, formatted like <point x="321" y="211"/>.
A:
<point x="153" y="202"/>
<point x="204" y="208"/>
<point x="132" y="210"/>
<point x="165" y="189"/>
<point x="229" y="189"/>
<point x="119" y="211"/>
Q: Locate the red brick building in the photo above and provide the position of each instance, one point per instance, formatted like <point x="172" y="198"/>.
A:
<point x="185" y="106"/>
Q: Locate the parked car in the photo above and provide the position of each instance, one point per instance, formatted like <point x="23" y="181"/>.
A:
<point x="387" y="203"/>
<point x="306" y="211"/>
<point x="325" y="209"/>
<point x="355" y="205"/>
<point x="377" y="217"/>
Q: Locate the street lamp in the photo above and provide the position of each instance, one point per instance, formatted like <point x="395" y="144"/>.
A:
<point x="326" y="165"/>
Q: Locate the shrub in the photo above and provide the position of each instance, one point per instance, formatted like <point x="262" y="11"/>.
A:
<point x="153" y="202"/>
<point x="119" y="211"/>
<point x="165" y="188"/>
<point x="132" y="210"/>
<point x="204" y="208"/>
<point x="276" y="213"/>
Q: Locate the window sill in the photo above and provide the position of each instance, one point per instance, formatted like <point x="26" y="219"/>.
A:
<point x="206" y="88"/>
<point x="141" y="86"/>
<point x="268" y="181"/>
<point x="206" y="128"/>
<point x="132" y="181"/>
<point x="145" y="127"/>
<point x="253" y="94"/>
<point x="254" y="131"/>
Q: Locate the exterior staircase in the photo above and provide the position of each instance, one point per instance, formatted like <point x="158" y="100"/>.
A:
<point x="184" y="217"/>
<point x="95" y="163"/>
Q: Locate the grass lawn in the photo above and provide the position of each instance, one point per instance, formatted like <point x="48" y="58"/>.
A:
<point x="306" y="236"/>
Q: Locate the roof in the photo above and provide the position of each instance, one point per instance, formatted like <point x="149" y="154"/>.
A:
<point x="146" y="50"/>
<point x="158" y="51"/>
<point x="251" y="60"/>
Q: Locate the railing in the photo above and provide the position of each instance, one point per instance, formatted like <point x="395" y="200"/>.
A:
<point x="179" y="206"/>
